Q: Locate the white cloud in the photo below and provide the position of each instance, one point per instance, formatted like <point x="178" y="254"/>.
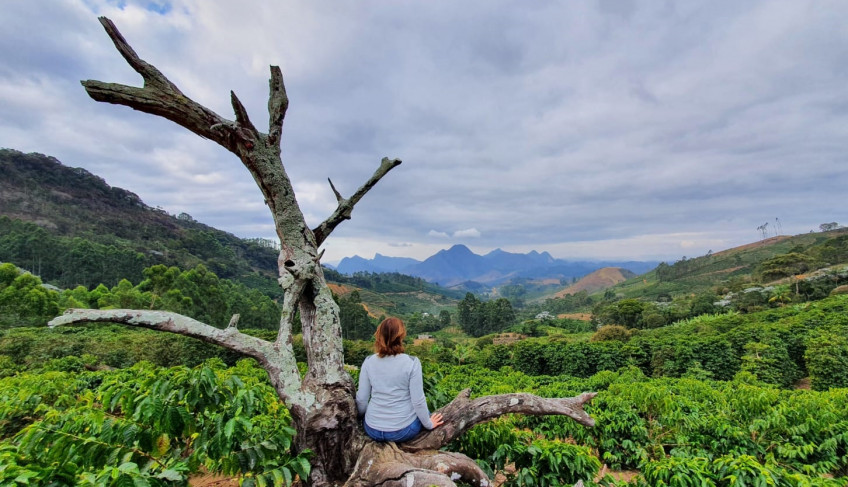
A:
<point x="468" y="233"/>
<point x="576" y="127"/>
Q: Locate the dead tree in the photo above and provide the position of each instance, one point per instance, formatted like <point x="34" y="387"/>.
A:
<point x="322" y="402"/>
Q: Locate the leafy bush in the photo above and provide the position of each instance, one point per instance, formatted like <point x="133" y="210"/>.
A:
<point x="147" y="426"/>
<point x="611" y="333"/>
<point x="546" y="463"/>
<point x="827" y="360"/>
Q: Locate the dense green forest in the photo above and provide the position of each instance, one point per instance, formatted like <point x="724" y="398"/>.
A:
<point x="69" y="227"/>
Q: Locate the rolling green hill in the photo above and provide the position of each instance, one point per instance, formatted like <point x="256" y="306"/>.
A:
<point x="759" y="263"/>
<point x="71" y="228"/>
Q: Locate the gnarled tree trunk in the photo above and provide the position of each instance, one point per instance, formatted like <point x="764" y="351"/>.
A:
<point x="321" y="403"/>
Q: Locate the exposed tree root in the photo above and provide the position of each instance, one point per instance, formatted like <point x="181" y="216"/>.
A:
<point x="386" y="464"/>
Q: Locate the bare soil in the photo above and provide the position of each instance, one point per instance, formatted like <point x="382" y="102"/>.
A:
<point x="596" y="281"/>
<point x="620" y="475"/>
<point x="210" y="480"/>
<point x="754" y="245"/>
<point x="576" y="316"/>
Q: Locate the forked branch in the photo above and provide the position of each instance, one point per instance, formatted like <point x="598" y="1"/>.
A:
<point x="159" y="96"/>
<point x="259" y="152"/>
<point x="345" y="207"/>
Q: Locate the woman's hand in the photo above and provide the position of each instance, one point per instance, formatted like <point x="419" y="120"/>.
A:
<point x="437" y="419"/>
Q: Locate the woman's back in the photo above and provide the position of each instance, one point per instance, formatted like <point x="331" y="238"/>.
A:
<point x="396" y="392"/>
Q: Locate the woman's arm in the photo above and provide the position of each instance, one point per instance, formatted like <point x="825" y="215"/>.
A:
<point x="416" y="392"/>
<point x="363" y="393"/>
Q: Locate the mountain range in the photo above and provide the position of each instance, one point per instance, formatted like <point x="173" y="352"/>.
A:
<point x="458" y="265"/>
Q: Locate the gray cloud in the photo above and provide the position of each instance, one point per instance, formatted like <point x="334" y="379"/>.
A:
<point x="588" y="128"/>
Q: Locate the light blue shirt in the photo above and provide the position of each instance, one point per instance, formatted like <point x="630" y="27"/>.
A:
<point x="391" y="392"/>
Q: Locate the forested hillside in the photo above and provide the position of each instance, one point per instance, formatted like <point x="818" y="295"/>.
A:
<point x="71" y="228"/>
<point x="776" y="259"/>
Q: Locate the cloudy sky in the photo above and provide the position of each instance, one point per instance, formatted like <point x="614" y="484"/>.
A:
<point x="590" y="129"/>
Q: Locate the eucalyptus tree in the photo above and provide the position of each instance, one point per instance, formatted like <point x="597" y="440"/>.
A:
<point x="322" y="401"/>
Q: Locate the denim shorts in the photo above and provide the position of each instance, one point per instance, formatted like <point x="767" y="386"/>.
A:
<point x="399" y="436"/>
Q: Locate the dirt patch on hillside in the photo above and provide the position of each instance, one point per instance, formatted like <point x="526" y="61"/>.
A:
<point x="596" y="281"/>
<point x="723" y="271"/>
<point x="576" y="316"/>
<point x="373" y="313"/>
<point x="340" y="289"/>
<point x="545" y="282"/>
<point x="755" y="245"/>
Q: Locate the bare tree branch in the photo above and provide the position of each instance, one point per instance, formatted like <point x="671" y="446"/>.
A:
<point x="462" y="413"/>
<point x="241" y="113"/>
<point x="293" y="292"/>
<point x="339" y="197"/>
<point x="234" y="321"/>
<point x="147" y="71"/>
<point x="229" y="338"/>
<point x="278" y="103"/>
<point x="284" y="365"/>
<point x="159" y="96"/>
<point x="343" y="211"/>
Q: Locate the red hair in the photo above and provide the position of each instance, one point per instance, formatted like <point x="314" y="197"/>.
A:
<point x="389" y="337"/>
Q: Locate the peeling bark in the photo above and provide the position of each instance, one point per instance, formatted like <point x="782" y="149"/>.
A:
<point x="462" y="413"/>
<point x="388" y="464"/>
<point x="322" y="403"/>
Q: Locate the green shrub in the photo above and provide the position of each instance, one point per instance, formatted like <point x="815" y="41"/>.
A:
<point x="827" y="361"/>
<point x="611" y="333"/>
<point x="546" y="463"/>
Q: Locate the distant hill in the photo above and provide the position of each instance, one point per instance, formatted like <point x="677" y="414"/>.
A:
<point x="459" y="267"/>
<point x="764" y="262"/>
<point x="598" y="281"/>
<point x="380" y="263"/>
<point x="71" y="227"/>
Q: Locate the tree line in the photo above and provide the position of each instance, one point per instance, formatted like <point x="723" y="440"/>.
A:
<point x="478" y="318"/>
<point x="198" y="292"/>
<point x="70" y="261"/>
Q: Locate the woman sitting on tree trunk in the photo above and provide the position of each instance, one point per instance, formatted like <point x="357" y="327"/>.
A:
<point x="391" y="389"/>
